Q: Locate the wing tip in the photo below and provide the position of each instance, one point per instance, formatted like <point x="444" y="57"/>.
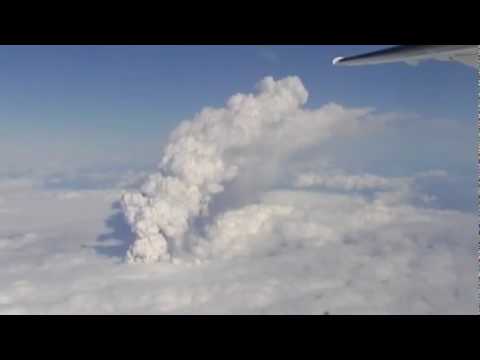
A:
<point x="337" y="60"/>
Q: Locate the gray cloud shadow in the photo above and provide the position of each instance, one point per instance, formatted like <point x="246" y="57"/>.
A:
<point x="119" y="232"/>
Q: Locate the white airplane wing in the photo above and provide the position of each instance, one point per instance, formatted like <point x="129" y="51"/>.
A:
<point x="413" y="54"/>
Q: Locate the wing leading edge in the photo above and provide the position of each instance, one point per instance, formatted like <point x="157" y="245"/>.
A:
<point x="413" y="54"/>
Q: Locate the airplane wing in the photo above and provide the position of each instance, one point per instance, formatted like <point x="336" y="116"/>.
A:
<point x="413" y="54"/>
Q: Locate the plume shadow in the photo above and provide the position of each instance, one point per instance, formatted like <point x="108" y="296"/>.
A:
<point x="116" y="241"/>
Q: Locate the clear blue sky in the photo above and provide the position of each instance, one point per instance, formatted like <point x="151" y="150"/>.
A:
<point x="77" y="105"/>
<point x="140" y="89"/>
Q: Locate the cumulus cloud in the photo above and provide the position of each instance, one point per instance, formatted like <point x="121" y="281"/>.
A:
<point x="210" y="151"/>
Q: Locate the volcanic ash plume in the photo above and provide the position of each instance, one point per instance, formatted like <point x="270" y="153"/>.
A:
<point x="195" y="167"/>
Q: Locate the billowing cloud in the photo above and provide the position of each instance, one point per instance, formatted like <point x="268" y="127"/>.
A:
<point x="255" y="214"/>
<point x="213" y="149"/>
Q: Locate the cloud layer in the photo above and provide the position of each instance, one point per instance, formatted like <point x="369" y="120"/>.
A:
<point x="256" y="215"/>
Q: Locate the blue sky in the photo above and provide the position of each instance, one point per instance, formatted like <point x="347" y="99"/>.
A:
<point x="90" y="101"/>
<point x="140" y="89"/>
